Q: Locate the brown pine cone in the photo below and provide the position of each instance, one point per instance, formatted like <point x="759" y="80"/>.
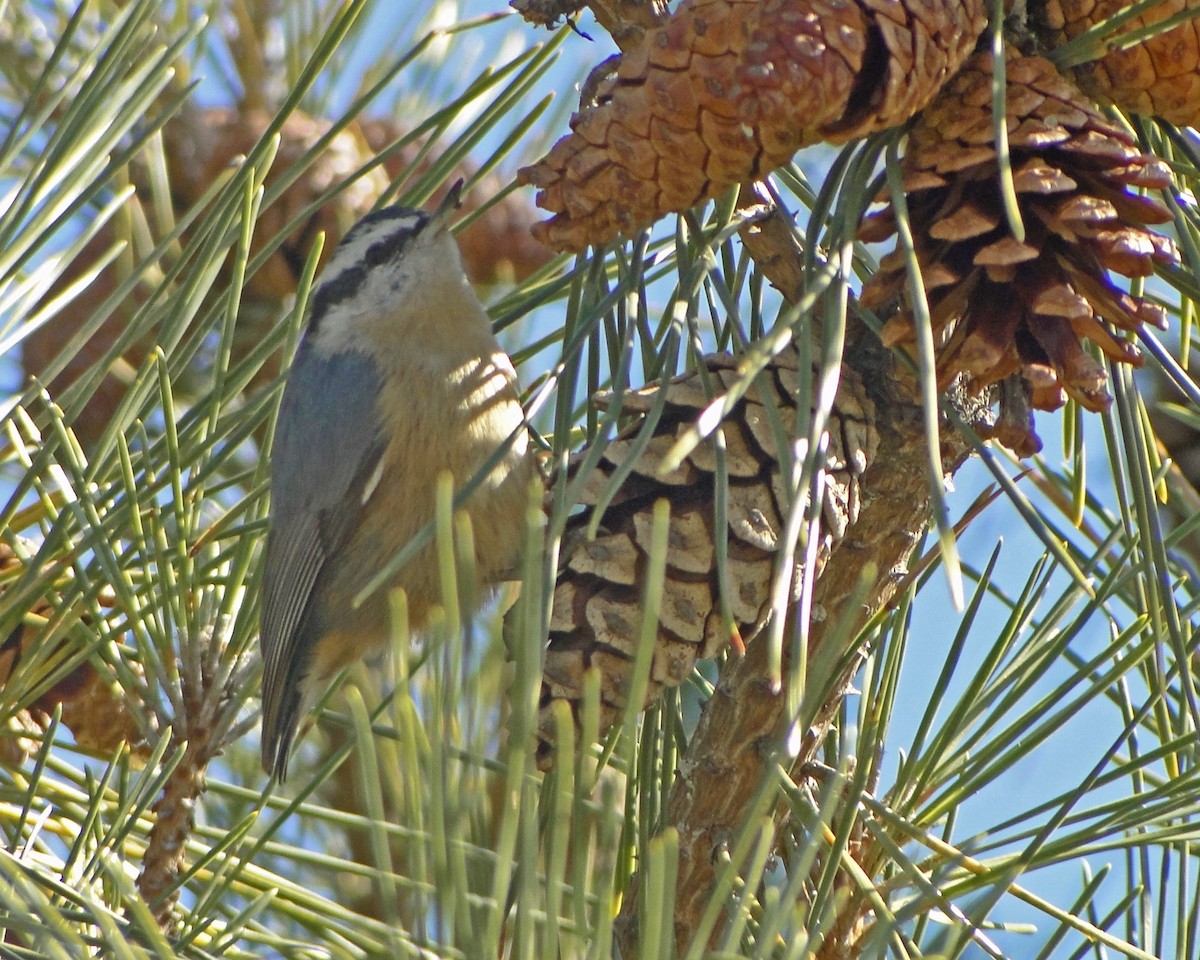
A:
<point x="201" y="144"/>
<point x="1157" y="77"/>
<point x="832" y="71"/>
<point x="727" y="90"/>
<point x="1012" y="312"/>
<point x="93" y="708"/>
<point x="597" y="607"/>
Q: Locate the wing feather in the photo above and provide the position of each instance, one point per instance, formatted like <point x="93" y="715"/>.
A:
<point x="327" y="442"/>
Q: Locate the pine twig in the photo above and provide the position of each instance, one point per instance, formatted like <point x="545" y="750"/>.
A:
<point x="206" y="724"/>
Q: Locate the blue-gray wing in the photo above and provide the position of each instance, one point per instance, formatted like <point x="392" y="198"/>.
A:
<point x="327" y="444"/>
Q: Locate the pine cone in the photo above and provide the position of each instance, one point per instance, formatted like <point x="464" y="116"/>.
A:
<point x="93" y="709"/>
<point x="597" y="607"/>
<point x="1157" y="77"/>
<point x="727" y="90"/>
<point x="1015" y="312"/>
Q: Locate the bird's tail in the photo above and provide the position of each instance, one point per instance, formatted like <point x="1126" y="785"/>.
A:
<point x="285" y="702"/>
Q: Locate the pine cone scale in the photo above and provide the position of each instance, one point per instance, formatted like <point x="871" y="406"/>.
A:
<point x="597" y="614"/>
<point x="1046" y="293"/>
<point x="726" y="90"/>
<point x="1159" y="76"/>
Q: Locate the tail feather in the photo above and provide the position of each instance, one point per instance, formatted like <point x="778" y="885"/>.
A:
<point x="277" y="742"/>
<point x="285" y="703"/>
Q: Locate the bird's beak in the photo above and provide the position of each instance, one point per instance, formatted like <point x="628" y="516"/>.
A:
<point x="440" y="217"/>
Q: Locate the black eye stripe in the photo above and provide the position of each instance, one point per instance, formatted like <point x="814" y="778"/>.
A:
<point x="332" y="292"/>
<point x="389" y="248"/>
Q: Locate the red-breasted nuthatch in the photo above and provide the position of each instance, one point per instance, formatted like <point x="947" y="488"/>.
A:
<point x="397" y="379"/>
